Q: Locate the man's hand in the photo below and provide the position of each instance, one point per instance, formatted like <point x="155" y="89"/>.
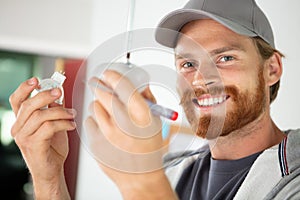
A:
<point x="41" y="136"/>
<point x="126" y="139"/>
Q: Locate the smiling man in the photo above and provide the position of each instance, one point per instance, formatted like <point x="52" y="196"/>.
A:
<point x="248" y="157"/>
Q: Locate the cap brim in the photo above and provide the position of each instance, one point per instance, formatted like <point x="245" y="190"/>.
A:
<point x="178" y="18"/>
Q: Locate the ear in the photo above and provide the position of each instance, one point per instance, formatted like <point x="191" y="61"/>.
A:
<point x="273" y="69"/>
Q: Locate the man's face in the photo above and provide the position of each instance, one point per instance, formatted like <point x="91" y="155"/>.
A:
<point x="229" y="89"/>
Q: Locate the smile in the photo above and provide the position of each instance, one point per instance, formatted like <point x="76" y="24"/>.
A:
<point x="208" y="101"/>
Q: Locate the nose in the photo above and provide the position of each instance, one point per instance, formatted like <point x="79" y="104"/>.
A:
<point x="205" y="77"/>
<point x="199" y="79"/>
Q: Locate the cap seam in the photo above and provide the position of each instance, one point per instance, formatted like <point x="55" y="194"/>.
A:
<point x="204" y="2"/>
<point x="252" y="17"/>
<point x="233" y="20"/>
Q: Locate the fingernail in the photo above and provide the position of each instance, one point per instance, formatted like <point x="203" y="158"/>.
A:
<point x="72" y="112"/>
<point x="31" y="81"/>
<point x="55" y="92"/>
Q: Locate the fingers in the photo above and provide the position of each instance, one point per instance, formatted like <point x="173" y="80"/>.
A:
<point x="100" y="115"/>
<point x="22" y="93"/>
<point x="120" y="84"/>
<point x="104" y="95"/>
<point x="45" y="132"/>
<point x="131" y="98"/>
<point x="93" y="132"/>
<point x="133" y="117"/>
<point x="107" y="107"/>
<point x="50" y="128"/>
<point x="39" y="117"/>
<point x="30" y="105"/>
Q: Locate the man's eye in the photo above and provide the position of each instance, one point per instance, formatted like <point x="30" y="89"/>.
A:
<point x="188" y="64"/>
<point x="185" y="66"/>
<point x="226" y="58"/>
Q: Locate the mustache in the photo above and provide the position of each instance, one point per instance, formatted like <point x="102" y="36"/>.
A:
<point x="189" y="94"/>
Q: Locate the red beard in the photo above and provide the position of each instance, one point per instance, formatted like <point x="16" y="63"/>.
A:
<point x="247" y="106"/>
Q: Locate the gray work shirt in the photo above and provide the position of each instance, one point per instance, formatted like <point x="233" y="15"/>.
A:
<point x="207" y="178"/>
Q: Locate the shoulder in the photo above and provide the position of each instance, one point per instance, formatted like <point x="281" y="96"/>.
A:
<point x="288" y="186"/>
<point x="176" y="163"/>
<point x="293" y="133"/>
<point x="292" y="149"/>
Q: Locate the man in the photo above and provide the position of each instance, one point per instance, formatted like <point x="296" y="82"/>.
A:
<point x="248" y="158"/>
<point x="239" y="163"/>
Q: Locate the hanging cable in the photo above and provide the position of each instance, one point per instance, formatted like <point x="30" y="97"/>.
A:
<point x="129" y="28"/>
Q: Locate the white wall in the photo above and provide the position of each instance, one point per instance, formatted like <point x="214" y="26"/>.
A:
<point x="55" y="28"/>
<point x="72" y="28"/>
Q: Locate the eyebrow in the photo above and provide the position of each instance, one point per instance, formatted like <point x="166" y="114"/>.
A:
<point x="213" y="52"/>
<point x="226" y="48"/>
<point x="184" y="55"/>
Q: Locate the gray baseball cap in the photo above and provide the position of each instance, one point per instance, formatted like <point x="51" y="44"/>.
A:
<point x="241" y="16"/>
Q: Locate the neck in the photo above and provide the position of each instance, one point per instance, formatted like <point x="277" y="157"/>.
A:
<point x="252" y="138"/>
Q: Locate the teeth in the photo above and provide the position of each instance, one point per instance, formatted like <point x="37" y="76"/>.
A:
<point x="220" y="99"/>
<point x="201" y="102"/>
<point x="211" y="101"/>
<point x="216" y="100"/>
